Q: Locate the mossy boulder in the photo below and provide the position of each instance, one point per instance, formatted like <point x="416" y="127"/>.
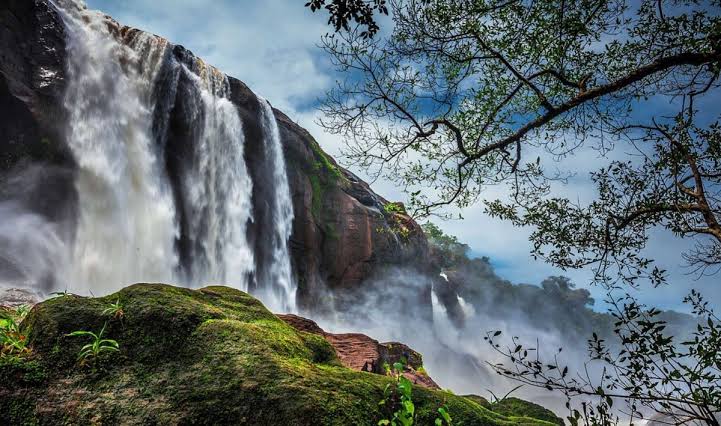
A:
<point x="514" y="406"/>
<point x="209" y="356"/>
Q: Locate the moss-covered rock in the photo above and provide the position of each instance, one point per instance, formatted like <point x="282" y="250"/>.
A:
<point x="209" y="356"/>
<point x="517" y="407"/>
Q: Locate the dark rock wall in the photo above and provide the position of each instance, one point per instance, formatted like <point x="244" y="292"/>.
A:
<point x="32" y="50"/>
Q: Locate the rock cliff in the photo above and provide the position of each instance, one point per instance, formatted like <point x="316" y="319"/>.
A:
<point x="341" y="234"/>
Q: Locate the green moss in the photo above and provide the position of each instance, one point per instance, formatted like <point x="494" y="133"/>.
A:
<point x="483" y="402"/>
<point x="318" y="191"/>
<point x="210" y="356"/>
<point x="323" y="175"/>
<point x="517" y="407"/>
<point x="331" y="232"/>
<point x="324" y="161"/>
<point x="18" y="371"/>
<point x="18" y="411"/>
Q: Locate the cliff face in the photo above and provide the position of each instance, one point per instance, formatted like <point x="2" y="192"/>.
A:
<point x="341" y="232"/>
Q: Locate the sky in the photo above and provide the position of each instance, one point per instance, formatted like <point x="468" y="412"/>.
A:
<point x="271" y="45"/>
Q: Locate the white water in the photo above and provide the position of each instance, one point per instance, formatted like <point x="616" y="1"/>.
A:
<point x="126" y="226"/>
<point x="283" y="290"/>
<point x="219" y="187"/>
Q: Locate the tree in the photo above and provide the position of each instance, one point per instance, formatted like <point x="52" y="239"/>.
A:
<point x="464" y="94"/>
<point x="343" y="12"/>
<point x="652" y="374"/>
<point x="446" y="248"/>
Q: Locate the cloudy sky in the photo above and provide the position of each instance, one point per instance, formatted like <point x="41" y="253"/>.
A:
<point x="271" y="46"/>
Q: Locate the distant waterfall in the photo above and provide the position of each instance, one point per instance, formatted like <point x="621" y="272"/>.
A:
<point x="126" y="229"/>
<point x="138" y="222"/>
<point x="283" y="290"/>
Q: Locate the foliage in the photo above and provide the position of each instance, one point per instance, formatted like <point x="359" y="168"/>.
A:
<point x="652" y="374"/>
<point x="97" y="345"/>
<point x="397" y="396"/>
<point x="115" y="310"/>
<point x="342" y="12"/>
<point x="447" y="249"/>
<point x="13" y="341"/>
<point x="444" y="418"/>
<point x="394" y="208"/>
<point x="675" y="185"/>
<point x="464" y="94"/>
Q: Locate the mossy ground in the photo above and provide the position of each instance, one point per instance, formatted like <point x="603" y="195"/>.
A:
<point x="210" y="356"/>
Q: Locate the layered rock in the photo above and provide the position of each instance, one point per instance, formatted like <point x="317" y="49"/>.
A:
<point x="362" y="353"/>
<point x="14" y="297"/>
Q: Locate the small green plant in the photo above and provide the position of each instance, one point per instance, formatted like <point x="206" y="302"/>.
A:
<point x="444" y="418"/>
<point x="57" y="294"/>
<point x="115" y="310"/>
<point x="393" y="208"/>
<point x="399" y="398"/>
<point x="13" y="342"/>
<point x="96" y="347"/>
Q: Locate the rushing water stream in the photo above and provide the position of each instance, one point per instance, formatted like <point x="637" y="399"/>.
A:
<point x="130" y="221"/>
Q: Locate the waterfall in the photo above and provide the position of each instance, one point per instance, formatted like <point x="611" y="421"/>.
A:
<point x="138" y="220"/>
<point x="282" y="290"/>
<point x="218" y="186"/>
<point x="126" y="226"/>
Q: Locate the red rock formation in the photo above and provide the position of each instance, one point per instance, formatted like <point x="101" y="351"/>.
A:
<point x="362" y="353"/>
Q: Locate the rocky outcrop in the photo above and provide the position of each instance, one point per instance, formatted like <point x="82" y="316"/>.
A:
<point x="14" y="297"/>
<point x="342" y="232"/>
<point x="362" y="353"/>
<point x="32" y="51"/>
<point x="209" y="356"/>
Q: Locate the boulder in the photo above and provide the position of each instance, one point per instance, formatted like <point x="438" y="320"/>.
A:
<point x="14" y="297"/>
<point x="209" y="356"/>
<point x="362" y="353"/>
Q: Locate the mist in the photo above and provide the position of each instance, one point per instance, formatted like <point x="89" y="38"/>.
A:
<point x="36" y="232"/>
<point x="447" y="315"/>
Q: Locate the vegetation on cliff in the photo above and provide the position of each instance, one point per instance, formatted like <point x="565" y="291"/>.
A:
<point x="209" y="356"/>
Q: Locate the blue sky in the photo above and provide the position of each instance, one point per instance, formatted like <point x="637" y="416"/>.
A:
<point x="271" y="45"/>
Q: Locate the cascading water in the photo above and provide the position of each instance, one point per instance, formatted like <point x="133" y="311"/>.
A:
<point x="218" y="185"/>
<point x="442" y="325"/>
<point x="126" y="228"/>
<point x="283" y="290"/>
<point x="134" y="214"/>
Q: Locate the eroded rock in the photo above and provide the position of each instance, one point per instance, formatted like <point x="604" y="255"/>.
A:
<point x="363" y="353"/>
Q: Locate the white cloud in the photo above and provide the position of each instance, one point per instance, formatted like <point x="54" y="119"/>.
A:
<point x="269" y="45"/>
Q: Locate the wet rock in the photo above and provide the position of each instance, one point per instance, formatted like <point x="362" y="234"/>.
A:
<point x="13" y="297"/>
<point x="341" y="233"/>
